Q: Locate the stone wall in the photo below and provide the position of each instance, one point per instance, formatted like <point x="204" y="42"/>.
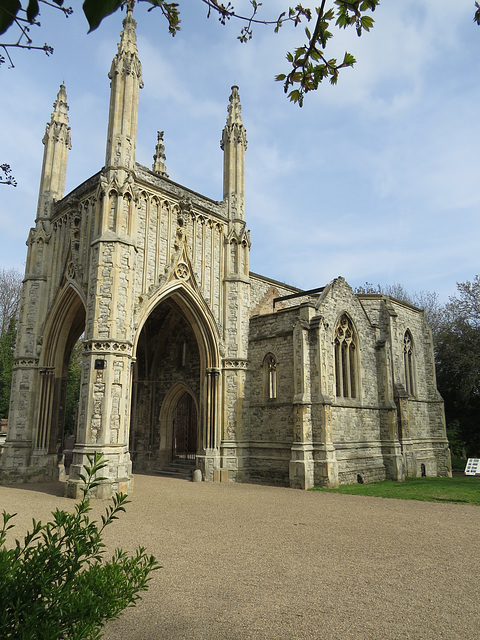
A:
<point x="269" y="422"/>
<point x="361" y="431"/>
<point x="265" y="290"/>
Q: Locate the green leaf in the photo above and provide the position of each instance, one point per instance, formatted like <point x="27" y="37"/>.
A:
<point x="96" y="11"/>
<point x="32" y="10"/>
<point x="477" y="14"/>
<point x="367" y="22"/>
<point x="8" y="12"/>
<point x="329" y="15"/>
<point x="294" y="95"/>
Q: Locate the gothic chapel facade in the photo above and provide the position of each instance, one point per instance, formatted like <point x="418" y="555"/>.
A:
<point x="186" y="353"/>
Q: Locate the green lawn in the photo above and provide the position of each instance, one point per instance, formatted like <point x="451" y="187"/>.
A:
<point x="464" y="489"/>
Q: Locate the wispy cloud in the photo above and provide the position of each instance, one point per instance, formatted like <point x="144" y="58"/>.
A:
<point x="374" y="179"/>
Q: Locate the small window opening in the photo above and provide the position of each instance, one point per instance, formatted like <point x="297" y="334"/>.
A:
<point x="183" y="353"/>
<point x="408" y="363"/>
<point x="270" y="366"/>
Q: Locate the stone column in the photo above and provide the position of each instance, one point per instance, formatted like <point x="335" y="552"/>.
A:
<point x="325" y="459"/>
<point x="301" y="463"/>
<point x="391" y="447"/>
<point x="104" y="416"/>
<point x="209" y="461"/>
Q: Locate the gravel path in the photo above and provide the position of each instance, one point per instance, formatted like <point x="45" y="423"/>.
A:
<point x="245" y="561"/>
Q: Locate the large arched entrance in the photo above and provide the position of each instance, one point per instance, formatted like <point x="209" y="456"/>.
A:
<point x="65" y="326"/>
<point x="167" y="389"/>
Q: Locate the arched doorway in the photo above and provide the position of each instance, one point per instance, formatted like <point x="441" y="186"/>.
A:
<point x="167" y="388"/>
<point x="185" y="428"/>
<point x="63" y="329"/>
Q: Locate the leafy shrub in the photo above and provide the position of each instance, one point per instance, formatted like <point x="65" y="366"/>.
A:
<point x="459" y="463"/>
<point x="56" y="584"/>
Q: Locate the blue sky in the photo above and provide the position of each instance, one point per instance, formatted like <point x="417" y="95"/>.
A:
<point x="375" y="179"/>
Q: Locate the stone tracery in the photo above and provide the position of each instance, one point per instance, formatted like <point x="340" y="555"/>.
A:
<point x="345" y="358"/>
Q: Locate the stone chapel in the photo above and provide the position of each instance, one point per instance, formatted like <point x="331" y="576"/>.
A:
<point x="187" y="354"/>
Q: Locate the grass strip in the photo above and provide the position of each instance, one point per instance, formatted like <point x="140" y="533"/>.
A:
<point x="461" y="490"/>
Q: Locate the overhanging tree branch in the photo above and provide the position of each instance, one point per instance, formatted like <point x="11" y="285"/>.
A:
<point x="6" y="176"/>
<point x="310" y="63"/>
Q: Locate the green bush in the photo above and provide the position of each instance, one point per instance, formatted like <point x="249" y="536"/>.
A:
<point x="56" y="584"/>
<point x="459" y="463"/>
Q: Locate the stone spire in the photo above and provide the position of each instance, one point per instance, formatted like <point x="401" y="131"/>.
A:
<point x="159" y="157"/>
<point x="234" y="143"/>
<point x="57" y="144"/>
<point x="126" y="80"/>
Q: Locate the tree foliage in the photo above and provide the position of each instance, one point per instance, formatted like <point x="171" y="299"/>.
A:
<point x="56" y="583"/>
<point x="309" y="62"/>
<point x="73" y="388"/>
<point x="457" y="356"/>
<point x="6" y="176"/>
<point x="10" y="287"/>
<point x="456" y="337"/>
<point x="7" y="349"/>
<point x="428" y="301"/>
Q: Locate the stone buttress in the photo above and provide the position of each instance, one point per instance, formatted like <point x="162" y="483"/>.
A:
<point x="189" y="360"/>
<point x="108" y="341"/>
<point x="30" y="451"/>
<point x="236" y="289"/>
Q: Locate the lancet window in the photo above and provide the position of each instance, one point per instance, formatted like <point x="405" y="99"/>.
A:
<point x="408" y="356"/>
<point x="182" y="352"/>
<point x="270" y="376"/>
<point x="345" y="344"/>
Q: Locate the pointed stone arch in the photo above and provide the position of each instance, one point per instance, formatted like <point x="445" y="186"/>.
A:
<point x="65" y="324"/>
<point x="196" y="310"/>
<point x="164" y="370"/>
<point x="409" y="362"/>
<point x="346" y="355"/>
<point x="270" y="376"/>
<point x="168" y="410"/>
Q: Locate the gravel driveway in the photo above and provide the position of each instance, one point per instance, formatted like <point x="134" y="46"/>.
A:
<point x="246" y="561"/>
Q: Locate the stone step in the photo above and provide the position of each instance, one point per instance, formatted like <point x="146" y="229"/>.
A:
<point x="182" y="469"/>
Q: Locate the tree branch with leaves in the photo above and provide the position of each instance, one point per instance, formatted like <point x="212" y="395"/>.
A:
<point x="310" y="62"/>
<point x="6" y="176"/>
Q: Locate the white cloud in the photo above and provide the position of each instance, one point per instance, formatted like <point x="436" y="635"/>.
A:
<point x="375" y="179"/>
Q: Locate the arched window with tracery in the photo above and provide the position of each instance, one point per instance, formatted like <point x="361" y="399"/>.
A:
<point x="270" y="376"/>
<point x="345" y="359"/>
<point x="408" y="355"/>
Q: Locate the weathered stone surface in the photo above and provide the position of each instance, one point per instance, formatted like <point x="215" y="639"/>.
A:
<point x="186" y="354"/>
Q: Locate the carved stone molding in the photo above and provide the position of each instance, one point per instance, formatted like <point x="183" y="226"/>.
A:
<point x="107" y="346"/>
<point x="182" y="272"/>
<point x="235" y="364"/>
<point x="71" y="271"/>
<point x="25" y="363"/>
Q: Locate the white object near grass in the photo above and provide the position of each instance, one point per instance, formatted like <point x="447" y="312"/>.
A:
<point x="473" y="467"/>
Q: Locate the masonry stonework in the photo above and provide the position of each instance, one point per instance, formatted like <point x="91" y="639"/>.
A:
<point x="187" y="355"/>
